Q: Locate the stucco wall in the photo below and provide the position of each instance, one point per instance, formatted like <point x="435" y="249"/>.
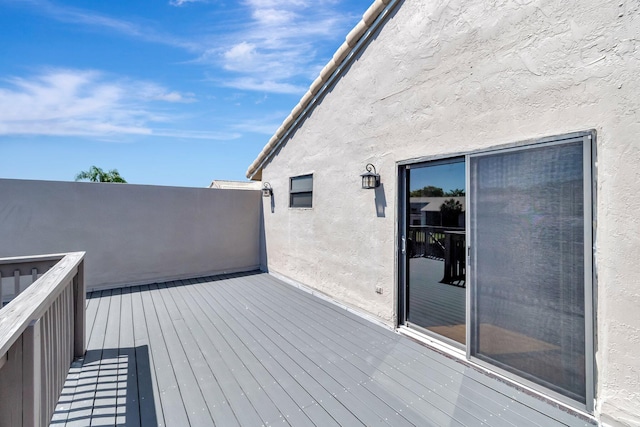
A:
<point x="132" y="233"/>
<point x="444" y="77"/>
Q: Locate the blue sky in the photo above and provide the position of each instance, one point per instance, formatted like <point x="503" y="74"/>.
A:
<point x="448" y="176"/>
<point x="169" y="92"/>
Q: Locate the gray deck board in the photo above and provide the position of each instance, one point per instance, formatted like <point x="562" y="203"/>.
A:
<point x="412" y="355"/>
<point x="241" y="362"/>
<point x="285" y="373"/>
<point x="217" y="401"/>
<point x="171" y="400"/>
<point x="341" y="367"/>
<point x="369" y="408"/>
<point x="227" y="368"/>
<point x="274" y="344"/>
<point x="220" y="306"/>
<point x="250" y="350"/>
<point x="128" y="410"/>
<point x="277" y="404"/>
<point x="172" y="327"/>
<point x="362" y="349"/>
<point x="149" y="403"/>
<point x="105" y="398"/>
<point x="195" y="339"/>
<point x="351" y="363"/>
<point x="82" y="405"/>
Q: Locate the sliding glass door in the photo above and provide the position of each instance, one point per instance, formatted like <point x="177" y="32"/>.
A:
<point x="436" y="279"/>
<point x="528" y="219"/>
<point x="497" y="259"/>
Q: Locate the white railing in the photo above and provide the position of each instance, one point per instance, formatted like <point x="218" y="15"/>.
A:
<point x="41" y="331"/>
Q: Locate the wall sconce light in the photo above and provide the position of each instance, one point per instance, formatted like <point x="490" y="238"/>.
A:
<point x="370" y="179"/>
<point x="267" y="191"/>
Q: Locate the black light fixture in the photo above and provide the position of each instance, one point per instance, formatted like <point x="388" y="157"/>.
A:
<point x="267" y="191"/>
<point x="370" y="179"/>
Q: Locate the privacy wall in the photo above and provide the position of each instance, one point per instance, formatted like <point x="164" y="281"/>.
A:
<point x="132" y="233"/>
<point x="442" y="78"/>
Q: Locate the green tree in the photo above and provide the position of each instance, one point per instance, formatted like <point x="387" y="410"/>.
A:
<point x="428" y="191"/>
<point x="95" y="174"/>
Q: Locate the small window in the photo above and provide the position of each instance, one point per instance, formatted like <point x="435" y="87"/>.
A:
<point x="301" y="191"/>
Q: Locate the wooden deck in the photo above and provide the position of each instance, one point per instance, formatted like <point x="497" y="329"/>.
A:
<point x="250" y="350"/>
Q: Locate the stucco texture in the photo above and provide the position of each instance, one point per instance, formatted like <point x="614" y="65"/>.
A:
<point x="132" y="233"/>
<point x="444" y="77"/>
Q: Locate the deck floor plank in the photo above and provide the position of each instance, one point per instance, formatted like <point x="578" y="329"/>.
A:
<point x="92" y="303"/>
<point x="283" y="409"/>
<point x="220" y="408"/>
<point x="82" y="406"/>
<point x="340" y="369"/>
<point x="172" y="326"/>
<point x="128" y="411"/>
<point x="254" y="356"/>
<point x="348" y="362"/>
<point x="173" y="407"/>
<point x="369" y="408"/>
<point x="149" y="403"/>
<point x="293" y="379"/>
<point x="354" y="345"/>
<point x="237" y="361"/>
<point x="202" y="385"/>
<point x="82" y="390"/>
<point x="105" y="401"/>
<point x="221" y="363"/>
<point x="523" y="408"/>
<point x="250" y="350"/>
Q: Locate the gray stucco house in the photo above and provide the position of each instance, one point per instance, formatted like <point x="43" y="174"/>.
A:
<point x="530" y="111"/>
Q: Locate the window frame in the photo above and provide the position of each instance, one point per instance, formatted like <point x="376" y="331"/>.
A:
<point x="293" y="192"/>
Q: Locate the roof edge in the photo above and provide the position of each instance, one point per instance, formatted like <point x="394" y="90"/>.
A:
<point x="317" y="88"/>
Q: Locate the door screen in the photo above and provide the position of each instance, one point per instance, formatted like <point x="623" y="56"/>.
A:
<point x="527" y="228"/>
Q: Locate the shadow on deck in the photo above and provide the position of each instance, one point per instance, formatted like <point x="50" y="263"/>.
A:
<point x="249" y="350"/>
<point x="110" y="386"/>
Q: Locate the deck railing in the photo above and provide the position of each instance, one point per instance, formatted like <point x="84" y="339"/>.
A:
<point x="41" y="330"/>
<point x="428" y="240"/>
<point x="441" y="243"/>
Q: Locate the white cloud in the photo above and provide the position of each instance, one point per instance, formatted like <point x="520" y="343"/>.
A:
<point x="261" y="85"/>
<point x="264" y="4"/>
<point x="276" y="51"/>
<point x="276" y="47"/>
<point x="153" y="92"/>
<point x="273" y="17"/>
<point x="87" y="103"/>
<point x="191" y="134"/>
<point x="179" y="3"/>
<point x="240" y="56"/>
<point x="176" y="97"/>
<point x="266" y="125"/>
<point x="98" y="21"/>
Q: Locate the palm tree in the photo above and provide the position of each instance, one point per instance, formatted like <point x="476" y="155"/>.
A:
<point x="455" y="193"/>
<point x="95" y="174"/>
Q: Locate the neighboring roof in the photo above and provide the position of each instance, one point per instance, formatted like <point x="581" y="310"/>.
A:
<point x="235" y="185"/>
<point x="433" y="203"/>
<point x="317" y="88"/>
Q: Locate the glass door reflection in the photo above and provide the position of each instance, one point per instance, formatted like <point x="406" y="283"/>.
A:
<point x="435" y="288"/>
